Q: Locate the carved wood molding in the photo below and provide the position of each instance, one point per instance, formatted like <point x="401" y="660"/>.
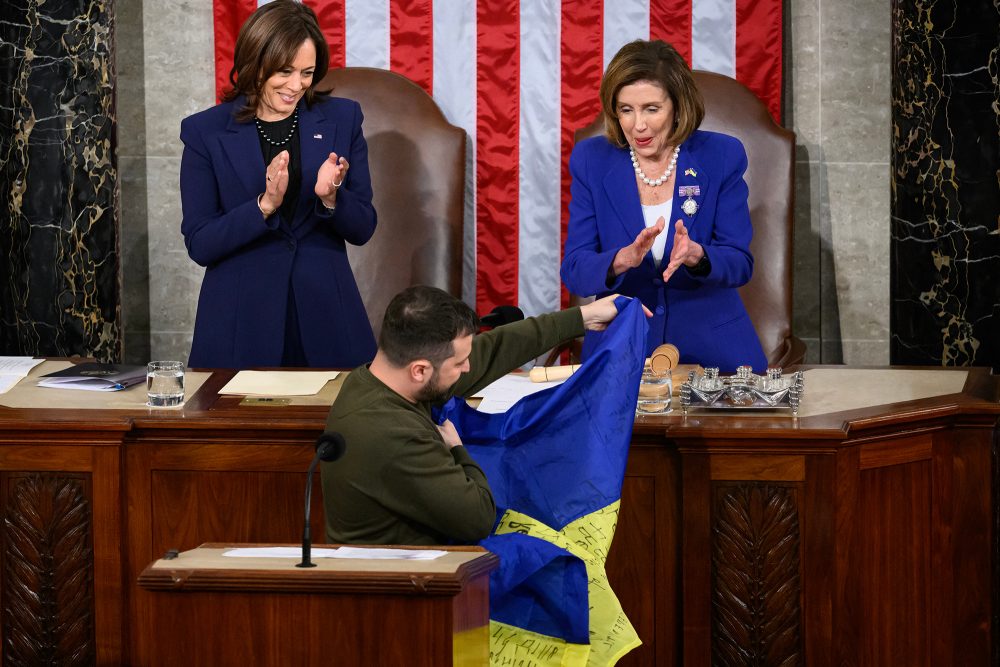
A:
<point x="756" y="588"/>
<point x="48" y="590"/>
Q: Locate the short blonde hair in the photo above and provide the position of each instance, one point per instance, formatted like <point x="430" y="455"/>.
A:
<point x="657" y="62"/>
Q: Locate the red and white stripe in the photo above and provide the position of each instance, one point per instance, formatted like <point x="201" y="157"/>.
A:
<point x="520" y="76"/>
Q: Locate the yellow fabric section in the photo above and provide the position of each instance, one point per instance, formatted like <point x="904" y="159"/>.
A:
<point x="516" y="647"/>
<point x="611" y="633"/>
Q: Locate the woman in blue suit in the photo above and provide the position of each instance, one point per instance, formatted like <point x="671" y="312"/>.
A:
<point x="655" y="165"/>
<point x="274" y="184"/>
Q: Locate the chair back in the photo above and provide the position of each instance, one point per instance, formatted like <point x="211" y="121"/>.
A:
<point x="417" y="162"/>
<point x="731" y="108"/>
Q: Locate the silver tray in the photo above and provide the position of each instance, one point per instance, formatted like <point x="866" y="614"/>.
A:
<point x="743" y="391"/>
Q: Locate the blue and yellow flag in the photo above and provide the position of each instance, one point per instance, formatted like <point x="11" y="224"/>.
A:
<point x="555" y="462"/>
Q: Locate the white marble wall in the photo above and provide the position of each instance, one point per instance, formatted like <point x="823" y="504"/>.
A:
<point x="837" y="78"/>
<point x="177" y="59"/>
<point x="837" y="75"/>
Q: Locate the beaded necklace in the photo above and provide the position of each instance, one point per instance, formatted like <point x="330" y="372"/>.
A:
<point x="291" y="132"/>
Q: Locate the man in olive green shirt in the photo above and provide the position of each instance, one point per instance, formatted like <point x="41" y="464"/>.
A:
<point x="404" y="479"/>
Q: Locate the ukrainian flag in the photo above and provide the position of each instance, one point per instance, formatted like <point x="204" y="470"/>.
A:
<point x="555" y="462"/>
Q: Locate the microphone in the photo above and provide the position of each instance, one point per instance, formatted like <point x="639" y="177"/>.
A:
<point x="502" y="315"/>
<point x="329" y="447"/>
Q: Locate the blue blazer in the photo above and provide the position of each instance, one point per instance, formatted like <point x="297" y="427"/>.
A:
<point x="253" y="264"/>
<point x="703" y="316"/>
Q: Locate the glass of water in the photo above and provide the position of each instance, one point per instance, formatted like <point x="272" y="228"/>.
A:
<point x="165" y="384"/>
<point x="654" y="392"/>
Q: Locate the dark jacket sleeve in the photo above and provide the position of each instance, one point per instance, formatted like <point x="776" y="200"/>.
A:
<point x="210" y="232"/>
<point x="354" y="217"/>
<point x="502" y="350"/>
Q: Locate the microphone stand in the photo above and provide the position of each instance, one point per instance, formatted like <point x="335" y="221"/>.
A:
<point x="329" y="447"/>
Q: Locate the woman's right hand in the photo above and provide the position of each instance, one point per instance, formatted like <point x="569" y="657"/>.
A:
<point x="277" y="182"/>
<point x="631" y="255"/>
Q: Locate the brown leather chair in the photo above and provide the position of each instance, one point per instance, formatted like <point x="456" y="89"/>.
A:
<point x="731" y="108"/>
<point x="417" y="162"/>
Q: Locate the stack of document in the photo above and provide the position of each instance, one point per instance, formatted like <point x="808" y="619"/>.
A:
<point x="15" y="369"/>
<point x="95" y="377"/>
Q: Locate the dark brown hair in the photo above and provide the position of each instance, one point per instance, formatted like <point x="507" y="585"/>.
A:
<point x="268" y="41"/>
<point x="657" y="62"/>
<point x="421" y="322"/>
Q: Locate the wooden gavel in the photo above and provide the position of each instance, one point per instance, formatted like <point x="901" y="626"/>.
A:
<point x="663" y="359"/>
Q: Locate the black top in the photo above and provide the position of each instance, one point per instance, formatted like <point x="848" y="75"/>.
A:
<point x="277" y="131"/>
<point x="285" y="133"/>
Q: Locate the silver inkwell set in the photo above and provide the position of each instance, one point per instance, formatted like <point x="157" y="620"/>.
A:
<point x="743" y="391"/>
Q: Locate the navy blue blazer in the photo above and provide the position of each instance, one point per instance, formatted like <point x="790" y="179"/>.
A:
<point x="703" y="316"/>
<point x="252" y="263"/>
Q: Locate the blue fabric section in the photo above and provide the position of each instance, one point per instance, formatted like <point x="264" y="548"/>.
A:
<point x="560" y="453"/>
<point x="556" y="456"/>
<point x="539" y="587"/>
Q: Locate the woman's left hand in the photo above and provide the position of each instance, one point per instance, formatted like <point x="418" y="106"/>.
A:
<point x="330" y="177"/>
<point x="685" y="251"/>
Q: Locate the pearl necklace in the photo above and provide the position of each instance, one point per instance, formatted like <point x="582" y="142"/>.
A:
<point x="291" y="132"/>
<point x="655" y="182"/>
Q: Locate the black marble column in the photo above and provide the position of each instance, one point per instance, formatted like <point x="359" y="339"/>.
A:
<point x="945" y="272"/>
<point x="59" y="241"/>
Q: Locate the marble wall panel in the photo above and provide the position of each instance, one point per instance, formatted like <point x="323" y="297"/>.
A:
<point x="135" y="258"/>
<point x="171" y="345"/>
<point x="130" y="92"/>
<point x="859" y="224"/>
<point x="855" y="73"/>
<point x="174" y="280"/>
<point x="802" y="80"/>
<point x="945" y="194"/>
<point x="807" y="258"/>
<point x="179" y="69"/>
<point x="854" y="213"/>
<point x="61" y="285"/>
<point x="838" y="59"/>
<point x="179" y="66"/>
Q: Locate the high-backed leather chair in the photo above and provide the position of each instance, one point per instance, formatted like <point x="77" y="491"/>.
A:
<point x="417" y="162"/>
<point x="731" y="108"/>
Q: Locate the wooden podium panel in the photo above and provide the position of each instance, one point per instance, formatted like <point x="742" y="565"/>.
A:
<point x="864" y="532"/>
<point x="205" y="609"/>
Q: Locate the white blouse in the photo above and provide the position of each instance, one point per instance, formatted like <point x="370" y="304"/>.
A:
<point x="650" y="215"/>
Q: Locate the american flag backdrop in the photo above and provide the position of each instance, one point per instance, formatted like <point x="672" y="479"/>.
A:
<point x="520" y="77"/>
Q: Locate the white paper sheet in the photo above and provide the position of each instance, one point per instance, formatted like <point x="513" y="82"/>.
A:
<point x="362" y="553"/>
<point x="508" y="390"/>
<point x="15" y="369"/>
<point x="278" y="383"/>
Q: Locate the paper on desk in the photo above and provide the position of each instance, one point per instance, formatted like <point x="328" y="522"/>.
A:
<point x="15" y="369"/>
<point x="363" y="553"/>
<point x="508" y="390"/>
<point x="278" y="383"/>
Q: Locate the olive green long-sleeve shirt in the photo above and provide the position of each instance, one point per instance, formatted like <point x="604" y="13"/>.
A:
<point x="398" y="483"/>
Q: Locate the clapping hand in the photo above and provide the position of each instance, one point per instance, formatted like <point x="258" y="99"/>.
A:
<point x="276" y="183"/>
<point x="685" y="251"/>
<point x="330" y="177"/>
<point x="631" y="255"/>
